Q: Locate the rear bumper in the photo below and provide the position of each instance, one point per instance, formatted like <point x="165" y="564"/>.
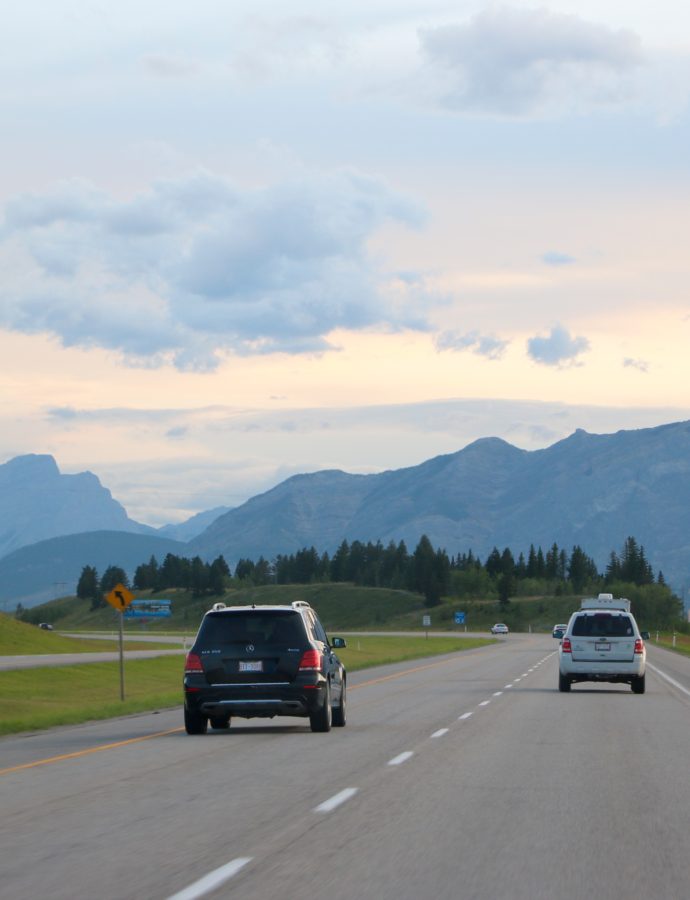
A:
<point x="256" y="700"/>
<point x="592" y="670"/>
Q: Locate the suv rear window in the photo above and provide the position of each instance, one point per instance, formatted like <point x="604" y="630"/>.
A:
<point x="254" y="626"/>
<point x="602" y="625"/>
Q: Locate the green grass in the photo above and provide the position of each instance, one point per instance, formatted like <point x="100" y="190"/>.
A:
<point x="666" y="641"/>
<point x="32" y="699"/>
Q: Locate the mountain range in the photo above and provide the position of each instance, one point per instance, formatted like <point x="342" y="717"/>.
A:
<point x="591" y="490"/>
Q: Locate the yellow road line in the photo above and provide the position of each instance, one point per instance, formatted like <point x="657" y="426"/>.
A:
<point x="147" y="737"/>
<point x="78" y="753"/>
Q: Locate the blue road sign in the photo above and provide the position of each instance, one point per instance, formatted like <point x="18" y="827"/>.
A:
<point x="459" y="618"/>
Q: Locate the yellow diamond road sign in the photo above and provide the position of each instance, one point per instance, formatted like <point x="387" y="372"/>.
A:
<point x="120" y="597"/>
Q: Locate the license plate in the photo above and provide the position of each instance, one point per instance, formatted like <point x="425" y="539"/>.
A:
<point x="254" y="665"/>
<point x="602" y="646"/>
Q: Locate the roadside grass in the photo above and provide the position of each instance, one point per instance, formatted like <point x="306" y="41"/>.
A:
<point x="20" y="639"/>
<point x="33" y="699"/>
<point x="666" y="641"/>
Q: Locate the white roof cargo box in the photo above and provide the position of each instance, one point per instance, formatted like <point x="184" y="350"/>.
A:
<point x="606" y="601"/>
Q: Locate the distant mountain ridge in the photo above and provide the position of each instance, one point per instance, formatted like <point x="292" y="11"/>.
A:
<point x="591" y="490"/>
<point x="39" y="502"/>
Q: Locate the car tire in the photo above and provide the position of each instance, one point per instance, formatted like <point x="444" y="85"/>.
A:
<point x="219" y="722"/>
<point x="563" y="683"/>
<point x="194" y="722"/>
<point x="638" y="684"/>
<point x="322" y="719"/>
<point x="340" y="712"/>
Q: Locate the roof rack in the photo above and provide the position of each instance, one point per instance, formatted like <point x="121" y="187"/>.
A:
<point x="217" y="606"/>
<point x="606" y="601"/>
<point x="297" y="603"/>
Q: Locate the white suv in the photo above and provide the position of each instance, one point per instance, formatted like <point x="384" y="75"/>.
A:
<point x="603" y="643"/>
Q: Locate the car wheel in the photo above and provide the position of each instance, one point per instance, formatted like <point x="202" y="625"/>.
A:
<point x="194" y="722"/>
<point x="220" y="722"/>
<point x="563" y="683"/>
<point x="340" y="712"/>
<point x="638" y="685"/>
<point x="322" y="719"/>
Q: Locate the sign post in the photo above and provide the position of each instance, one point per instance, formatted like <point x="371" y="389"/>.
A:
<point x="426" y="622"/>
<point x="120" y="598"/>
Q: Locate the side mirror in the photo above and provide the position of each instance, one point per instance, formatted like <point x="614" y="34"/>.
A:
<point x="644" y="635"/>
<point x="338" y="643"/>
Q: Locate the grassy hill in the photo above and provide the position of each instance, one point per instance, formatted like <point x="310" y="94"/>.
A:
<point x="342" y="607"/>
<point x="21" y="638"/>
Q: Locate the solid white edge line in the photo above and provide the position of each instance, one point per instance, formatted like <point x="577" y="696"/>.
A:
<point x="440" y="733"/>
<point x="213" y="880"/>
<point x="669" y="679"/>
<point x="464" y="716"/>
<point x="400" y="758"/>
<point x="336" y="800"/>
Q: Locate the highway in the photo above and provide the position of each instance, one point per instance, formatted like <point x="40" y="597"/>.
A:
<point x="467" y="776"/>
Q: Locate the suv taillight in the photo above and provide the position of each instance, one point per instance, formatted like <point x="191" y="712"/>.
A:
<point x="566" y="646"/>
<point x="310" y="662"/>
<point x="639" y="645"/>
<point x="193" y="663"/>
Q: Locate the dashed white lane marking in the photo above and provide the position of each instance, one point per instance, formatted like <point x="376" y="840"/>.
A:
<point x="508" y="686"/>
<point x="440" y="732"/>
<point x="497" y="693"/>
<point x="484" y="703"/>
<point x="400" y="758"/>
<point x="515" y="680"/>
<point x="464" y="716"/>
<point x="336" y="800"/>
<point x="525" y="674"/>
<point x="669" y="679"/>
<point x="213" y="880"/>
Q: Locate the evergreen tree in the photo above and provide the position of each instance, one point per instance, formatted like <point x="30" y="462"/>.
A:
<point x="87" y="586"/>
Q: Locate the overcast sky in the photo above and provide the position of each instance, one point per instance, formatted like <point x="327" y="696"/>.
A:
<point x="240" y="241"/>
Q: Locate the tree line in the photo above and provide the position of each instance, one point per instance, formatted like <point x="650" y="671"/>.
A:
<point x="194" y="575"/>
<point x="427" y="571"/>
<point x="434" y="574"/>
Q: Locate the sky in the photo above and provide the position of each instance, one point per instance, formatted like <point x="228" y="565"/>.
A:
<point x="243" y="241"/>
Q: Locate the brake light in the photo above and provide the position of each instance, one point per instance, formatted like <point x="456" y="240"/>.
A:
<point x="310" y="662"/>
<point x="566" y="646"/>
<point x="639" y="645"/>
<point x="193" y="663"/>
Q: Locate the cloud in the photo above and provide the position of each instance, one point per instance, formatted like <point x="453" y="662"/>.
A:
<point x="558" y="349"/>
<point x="640" y="364"/>
<point x="483" y="345"/>
<point x="517" y="62"/>
<point x="196" y="267"/>
<point x="554" y="258"/>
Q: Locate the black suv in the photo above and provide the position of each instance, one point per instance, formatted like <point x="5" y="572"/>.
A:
<point x="263" y="661"/>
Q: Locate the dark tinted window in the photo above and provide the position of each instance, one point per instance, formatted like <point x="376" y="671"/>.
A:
<point x="253" y="626"/>
<point x="602" y="625"/>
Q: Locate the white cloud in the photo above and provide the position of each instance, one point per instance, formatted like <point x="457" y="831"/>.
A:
<point x="483" y="345"/>
<point x="558" y="349"/>
<point x="196" y="267"/>
<point x="517" y="62"/>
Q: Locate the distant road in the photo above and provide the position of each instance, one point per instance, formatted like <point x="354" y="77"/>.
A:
<point x="462" y="777"/>
<point x="37" y="660"/>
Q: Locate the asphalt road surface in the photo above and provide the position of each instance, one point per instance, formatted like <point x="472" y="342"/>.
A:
<point x="466" y="776"/>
